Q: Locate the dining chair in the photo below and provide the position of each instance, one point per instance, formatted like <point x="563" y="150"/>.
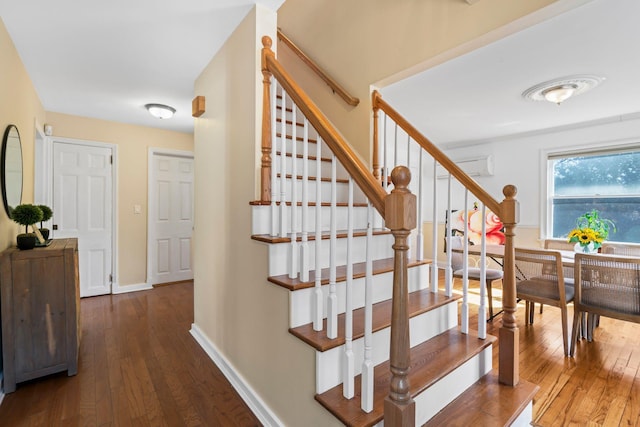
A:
<point x="620" y="249"/>
<point x="540" y="278"/>
<point x="606" y="285"/>
<point x="473" y="273"/>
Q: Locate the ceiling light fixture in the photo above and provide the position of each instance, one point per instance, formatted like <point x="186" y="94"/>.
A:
<point x="160" y="111"/>
<point x="559" y="90"/>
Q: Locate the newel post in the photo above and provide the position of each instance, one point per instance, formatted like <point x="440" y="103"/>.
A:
<point x="265" y="173"/>
<point x="376" y="155"/>
<point x="509" y="363"/>
<point x="400" y="217"/>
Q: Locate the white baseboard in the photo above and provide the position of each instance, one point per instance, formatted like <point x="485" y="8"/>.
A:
<point x="117" y="289"/>
<point x="250" y="397"/>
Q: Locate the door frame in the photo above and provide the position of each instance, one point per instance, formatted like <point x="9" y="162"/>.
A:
<point x="151" y="198"/>
<point x="47" y="162"/>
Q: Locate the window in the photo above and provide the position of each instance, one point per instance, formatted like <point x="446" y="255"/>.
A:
<point x="608" y="181"/>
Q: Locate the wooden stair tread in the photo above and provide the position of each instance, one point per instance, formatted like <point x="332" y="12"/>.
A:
<point x="430" y="361"/>
<point x="327" y="204"/>
<point x="379" y="266"/>
<point x="309" y="157"/>
<point x="290" y="122"/>
<point x="341" y="234"/>
<point x="313" y="178"/>
<point x="419" y="302"/>
<point x="486" y="403"/>
<point x="298" y="138"/>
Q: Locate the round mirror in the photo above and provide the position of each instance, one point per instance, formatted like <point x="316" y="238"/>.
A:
<point x="11" y="169"/>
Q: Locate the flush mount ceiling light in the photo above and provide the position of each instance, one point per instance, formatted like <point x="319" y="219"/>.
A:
<point x="160" y="111"/>
<point x="559" y="90"/>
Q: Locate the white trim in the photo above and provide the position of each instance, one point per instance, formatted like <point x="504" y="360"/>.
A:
<point x="43" y="161"/>
<point x="248" y="394"/>
<point x="117" y="289"/>
<point x="114" y="187"/>
<point x="1" y="386"/>
<point x="546" y="175"/>
<point x="151" y="197"/>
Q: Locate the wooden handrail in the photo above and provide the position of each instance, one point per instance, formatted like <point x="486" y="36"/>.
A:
<point x="351" y="162"/>
<point x="436" y="153"/>
<point x="335" y="86"/>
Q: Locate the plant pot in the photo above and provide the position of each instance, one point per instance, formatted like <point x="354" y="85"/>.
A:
<point x="45" y="233"/>
<point x="26" y="241"/>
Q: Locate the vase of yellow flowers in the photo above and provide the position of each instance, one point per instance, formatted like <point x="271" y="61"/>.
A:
<point x="591" y="230"/>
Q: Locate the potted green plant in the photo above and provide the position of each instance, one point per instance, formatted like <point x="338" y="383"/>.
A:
<point x="47" y="213"/>
<point x="591" y="230"/>
<point x="26" y="215"/>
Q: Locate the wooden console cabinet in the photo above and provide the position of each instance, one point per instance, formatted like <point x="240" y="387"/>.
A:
<point x="40" y="311"/>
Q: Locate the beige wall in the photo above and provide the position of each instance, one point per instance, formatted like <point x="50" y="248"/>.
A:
<point x="241" y="314"/>
<point x="361" y="42"/>
<point x="20" y="106"/>
<point x="133" y="145"/>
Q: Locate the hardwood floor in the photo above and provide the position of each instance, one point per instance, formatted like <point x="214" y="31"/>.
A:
<point x="599" y="387"/>
<point x="138" y="366"/>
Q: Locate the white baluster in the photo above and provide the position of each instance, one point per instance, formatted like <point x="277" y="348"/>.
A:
<point x="293" y="272"/>
<point x="283" y="167"/>
<point x="448" y="285"/>
<point x="366" y="402"/>
<point x="395" y="147"/>
<point x="464" y="312"/>
<point x="332" y="304"/>
<point x="482" y="310"/>
<point x="348" y="367"/>
<point x="385" y="167"/>
<point x="434" y="241"/>
<point x="274" y="150"/>
<point x="304" y="246"/>
<point x="420" y="236"/>
<point x="317" y="294"/>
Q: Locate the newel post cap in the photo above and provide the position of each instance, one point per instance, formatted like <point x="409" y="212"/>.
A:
<point x="400" y="205"/>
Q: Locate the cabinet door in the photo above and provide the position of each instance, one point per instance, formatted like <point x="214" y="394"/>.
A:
<point x="39" y="315"/>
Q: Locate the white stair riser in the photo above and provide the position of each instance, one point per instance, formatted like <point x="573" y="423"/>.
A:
<point x="301" y="301"/>
<point x="261" y="218"/>
<point x="440" y="394"/>
<point x="325" y="167"/>
<point x="280" y="254"/>
<point x="423" y="327"/>
<point x="342" y="191"/>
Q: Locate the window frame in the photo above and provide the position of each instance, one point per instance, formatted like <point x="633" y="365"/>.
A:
<point x="546" y="173"/>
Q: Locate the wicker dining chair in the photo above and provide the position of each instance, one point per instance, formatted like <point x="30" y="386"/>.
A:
<point x="540" y="278"/>
<point x="620" y="249"/>
<point x="606" y="285"/>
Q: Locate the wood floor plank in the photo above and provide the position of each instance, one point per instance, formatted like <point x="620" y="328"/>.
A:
<point x="138" y="366"/>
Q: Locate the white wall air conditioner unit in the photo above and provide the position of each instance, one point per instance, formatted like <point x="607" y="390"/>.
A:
<point x="477" y="166"/>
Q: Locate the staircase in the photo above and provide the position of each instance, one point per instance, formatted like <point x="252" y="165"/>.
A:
<point x="342" y="273"/>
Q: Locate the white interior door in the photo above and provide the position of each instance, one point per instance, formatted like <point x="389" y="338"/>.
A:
<point x="82" y="208"/>
<point x="170" y="217"/>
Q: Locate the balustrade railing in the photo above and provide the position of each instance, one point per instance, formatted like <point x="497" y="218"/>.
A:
<point x="293" y="204"/>
<point x="507" y="211"/>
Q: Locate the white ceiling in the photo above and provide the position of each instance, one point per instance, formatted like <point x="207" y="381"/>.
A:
<point x="107" y="59"/>
<point x="477" y="96"/>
